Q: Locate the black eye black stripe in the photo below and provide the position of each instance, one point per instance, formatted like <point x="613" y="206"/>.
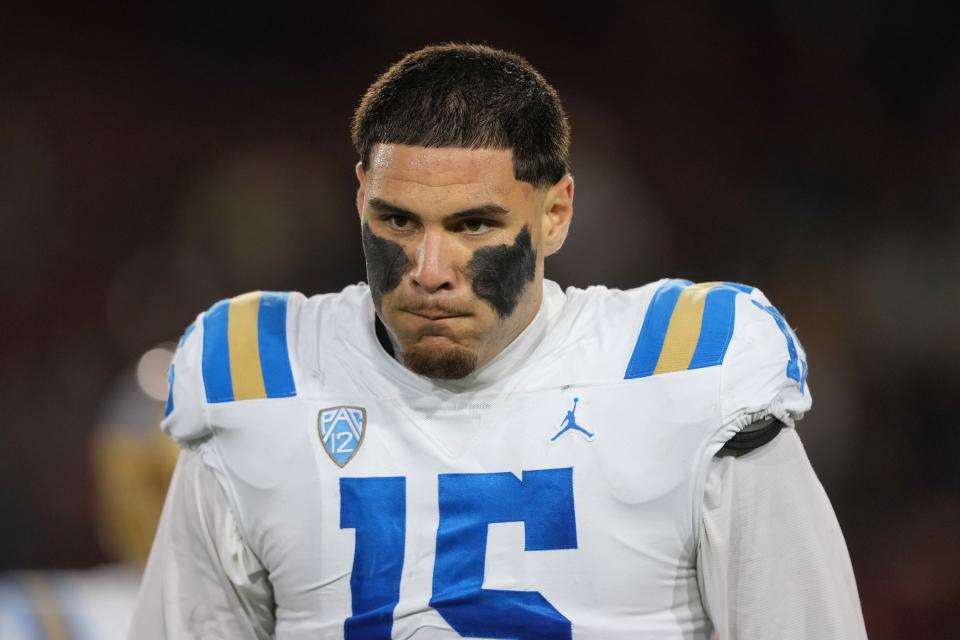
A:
<point x="500" y="273"/>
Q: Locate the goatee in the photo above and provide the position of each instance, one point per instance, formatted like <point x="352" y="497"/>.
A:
<point x="447" y="363"/>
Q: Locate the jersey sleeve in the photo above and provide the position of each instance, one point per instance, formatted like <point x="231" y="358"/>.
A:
<point x="764" y="372"/>
<point x="201" y="579"/>
<point x="772" y="561"/>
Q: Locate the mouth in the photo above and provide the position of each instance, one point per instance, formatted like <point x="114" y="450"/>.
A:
<point x="435" y="315"/>
<point x="438" y="318"/>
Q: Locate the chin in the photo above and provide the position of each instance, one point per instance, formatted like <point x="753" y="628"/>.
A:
<point x="450" y="362"/>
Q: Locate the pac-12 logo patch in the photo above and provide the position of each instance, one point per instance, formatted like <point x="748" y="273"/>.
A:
<point x="341" y="432"/>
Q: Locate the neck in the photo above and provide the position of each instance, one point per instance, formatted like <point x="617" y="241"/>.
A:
<point x="385" y="337"/>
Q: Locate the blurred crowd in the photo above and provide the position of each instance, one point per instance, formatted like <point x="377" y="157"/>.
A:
<point x="154" y="161"/>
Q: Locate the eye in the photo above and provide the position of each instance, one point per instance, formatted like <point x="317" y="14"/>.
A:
<point x="475" y="227"/>
<point x="398" y="222"/>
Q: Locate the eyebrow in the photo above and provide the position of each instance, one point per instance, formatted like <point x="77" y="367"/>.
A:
<point x="489" y="209"/>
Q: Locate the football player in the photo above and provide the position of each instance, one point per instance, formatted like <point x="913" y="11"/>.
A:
<point x="461" y="449"/>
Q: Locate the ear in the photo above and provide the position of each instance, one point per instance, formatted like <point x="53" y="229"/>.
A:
<point x="557" y="214"/>
<point x="361" y="177"/>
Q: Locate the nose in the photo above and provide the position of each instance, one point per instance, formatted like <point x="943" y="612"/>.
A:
<point x="434" y="269"/>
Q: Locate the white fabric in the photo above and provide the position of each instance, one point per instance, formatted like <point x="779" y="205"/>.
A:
<point x="754" y="385"/>
<point x="251" y="536"/>
<point x="773" y="562"/>
<point x="201" y="580"/>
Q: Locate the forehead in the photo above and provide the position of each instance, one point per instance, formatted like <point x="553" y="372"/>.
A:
<point x="444" y="173"/>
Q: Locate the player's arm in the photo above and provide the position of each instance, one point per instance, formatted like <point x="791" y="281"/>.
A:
<point x="772" y="561"/>
<point x="201" y="580"/>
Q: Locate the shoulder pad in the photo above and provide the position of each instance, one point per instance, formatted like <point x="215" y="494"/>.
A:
<point x="171" y="373"/>
<point x="245" y="354"/>
<point x="184" y="418"/>
<point x="765" y="370"/>
<point x="686" y="326"/>
<point x="693" y="326"/>
<point x="236" y="350"/>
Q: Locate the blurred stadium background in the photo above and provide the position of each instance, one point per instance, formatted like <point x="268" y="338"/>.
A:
<point x="157" y="159"/>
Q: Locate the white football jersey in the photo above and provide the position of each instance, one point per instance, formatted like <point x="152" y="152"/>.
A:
<point x="554" y="493"/>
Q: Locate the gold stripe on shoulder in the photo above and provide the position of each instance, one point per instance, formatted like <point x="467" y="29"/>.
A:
<point x="244" y="340"/>
<point x="684" y="330"/>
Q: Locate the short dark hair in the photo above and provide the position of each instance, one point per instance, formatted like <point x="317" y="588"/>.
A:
<point x="468" y="96"/>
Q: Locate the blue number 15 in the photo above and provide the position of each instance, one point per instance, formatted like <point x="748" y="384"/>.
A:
<point x="376" y="509"/>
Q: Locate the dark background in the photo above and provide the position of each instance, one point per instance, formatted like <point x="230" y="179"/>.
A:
<point x="154" y="160"/>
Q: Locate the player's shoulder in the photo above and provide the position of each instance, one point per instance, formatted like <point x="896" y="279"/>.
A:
<point x="765" y="367"/>
<point x="598" y="327"/>
<point x="674" y="324"/>
<point x="245" y="348"/>
<point x="689" y="325"/>
<point x="655" y="328"/>
<point x="245" y="351"/>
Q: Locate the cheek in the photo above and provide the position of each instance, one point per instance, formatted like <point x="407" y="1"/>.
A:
<point x="386" y="263"/>
<point x="501" y="273"/>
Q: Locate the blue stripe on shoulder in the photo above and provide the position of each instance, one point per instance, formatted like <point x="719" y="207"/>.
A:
<point x="745" y="288"/>
<point x="216" y="354"/>
<point x="646" y="351"/>
<point x="169" y="408"/>
<point x="796" y="368"/>
<point x="716" y="328"/>
<point x="272" y="336"/>
<point x="171" y="374"/>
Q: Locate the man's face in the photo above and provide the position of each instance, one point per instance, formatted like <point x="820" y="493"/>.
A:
<point x="454" y="247"/>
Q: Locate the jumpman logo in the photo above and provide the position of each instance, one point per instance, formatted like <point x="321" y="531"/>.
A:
<point x="569" y="423"/>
